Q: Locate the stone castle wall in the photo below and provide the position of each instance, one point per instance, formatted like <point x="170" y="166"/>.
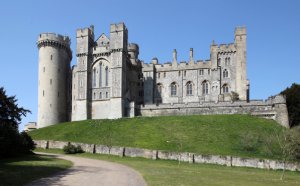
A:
<point x="273" y="108"/>
<point x="230" y="161"/>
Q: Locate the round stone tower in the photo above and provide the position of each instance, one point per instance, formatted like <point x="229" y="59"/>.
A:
<point x="54" y="79"/>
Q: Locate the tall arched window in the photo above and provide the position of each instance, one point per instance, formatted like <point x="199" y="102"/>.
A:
<point x="94" y="77"/>
<point x="106" y="76"/>
<point x="227" y="62"/>
<point x="100" y="75"/>
<point x="173" y="89"/>
<point x="225" y="73"/>
<point x="225" y="88"/>
<point x="100" y="95"/>
<point x="219" y="61"/>
<point x="205" y="87"/>
<point x="189" y="88"/>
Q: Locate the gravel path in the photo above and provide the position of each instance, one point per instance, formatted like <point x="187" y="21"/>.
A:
<point x="92" y="172"/>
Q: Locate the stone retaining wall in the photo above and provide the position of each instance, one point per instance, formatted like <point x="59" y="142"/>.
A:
<point x="165" y="155"/>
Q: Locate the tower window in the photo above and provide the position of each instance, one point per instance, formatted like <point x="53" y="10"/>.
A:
<point x="100" y="95"/>
<point x="225" y="88"/>
<point x="208" y="72"/>
<point x="158" y="90"/>
<point x="178" y="73"/>
<point x="94" y="77"/>
<point x="158" y="75"/>
<point x="50" y="81"/>
<point x="51" y="57"/>
<point x="106" y="94"/>
<point x="100" y="75"/>
<point x="43" y="93"/>
<point x="205" y="88"/>
<point x="94" y="95"/>
<point x="225" y="73"/>
<point x="184" y="73"/>
<point x="201" y="72"/>
<point x="164" y="74"/>
<point x="43" y="69"/>
<point x="106" y="76"/>
<point x="173" y="89"/>
<point x="189" y="89"/>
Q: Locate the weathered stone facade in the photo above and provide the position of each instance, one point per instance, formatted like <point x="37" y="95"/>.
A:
<point x="110" y="81"/>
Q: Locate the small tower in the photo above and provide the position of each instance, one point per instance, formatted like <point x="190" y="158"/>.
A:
<point x="54" y="76"/>
<point x="242" y="83"/>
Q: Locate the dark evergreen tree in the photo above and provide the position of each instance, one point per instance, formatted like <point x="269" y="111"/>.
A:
<point x="293" y="103"/>
<point x="11" y="141"/>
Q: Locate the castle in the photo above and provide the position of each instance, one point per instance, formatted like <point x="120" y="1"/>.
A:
<point x="110" y="81"/>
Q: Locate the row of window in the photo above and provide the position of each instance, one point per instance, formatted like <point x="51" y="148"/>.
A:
<point x="189" y="88"/>
<point x="100" y="95"/>
<point x="201" y="72"/>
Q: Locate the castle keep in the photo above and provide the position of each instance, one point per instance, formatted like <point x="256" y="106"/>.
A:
<point x="110" y="81"/>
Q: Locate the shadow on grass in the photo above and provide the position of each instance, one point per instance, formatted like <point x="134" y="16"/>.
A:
<point x="23" y="170"/>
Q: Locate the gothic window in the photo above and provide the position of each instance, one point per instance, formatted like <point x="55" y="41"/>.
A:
<point x="184" y="73"/>
<point x="201" y="72"/>
<point x="100" y="95"/>
<point x="173" y="89"/>
<point x="228" y="61"/>
<point x="208" y="72"/>
<point x="100" y="75"/>
<point x="219" y="62"/>
<point x="94" y="77"/>
<point x="205" y="88"/>
<point x="178" y="73"/>
<point x="43" y="93"/>
<point x="106" y="95"/>
<point x="50" y="81"/>
<point x="225" y="73"/>
<point x="225" y="88"/>
<point x="51" y="57"/>
<point x="189" y="89"/>
<point x="94" y="95"/>
<point x="158" y="90"/>
<point x="164" y="74"/>
<point x="106" y="76"/>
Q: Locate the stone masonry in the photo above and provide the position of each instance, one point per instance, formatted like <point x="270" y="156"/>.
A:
<point x="110" y="81"/>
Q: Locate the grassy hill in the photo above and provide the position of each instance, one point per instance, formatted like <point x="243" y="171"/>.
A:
<point x="238" y="135"/>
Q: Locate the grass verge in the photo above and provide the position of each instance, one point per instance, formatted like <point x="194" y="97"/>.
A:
<point x="236" y="135"/>
<point x="23" y="170"/>
<point x="164" y="172"/>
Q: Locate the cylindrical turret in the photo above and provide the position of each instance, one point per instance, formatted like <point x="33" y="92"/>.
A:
<point x="54" y="77"/>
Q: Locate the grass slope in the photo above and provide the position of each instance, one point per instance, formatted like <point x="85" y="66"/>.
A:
<point x="162" y="172"/>
<point x="22" y="170"/>
<point x="209" y="134"/>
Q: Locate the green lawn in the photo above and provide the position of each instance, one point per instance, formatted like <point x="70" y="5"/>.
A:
<point x="206" y="134"/>
<point x="162" y="172"/>
<point x="22" y="170"/>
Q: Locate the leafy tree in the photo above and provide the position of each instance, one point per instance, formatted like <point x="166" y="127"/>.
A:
<point x="293" y="103"/>
<point x="11" y="141"/>
<point x="10" y="113"/>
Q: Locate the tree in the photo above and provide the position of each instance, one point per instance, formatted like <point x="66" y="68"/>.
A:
<point x="10" y="113"/>
<point x="292" y="95"/>
<point x="11" y="141"/>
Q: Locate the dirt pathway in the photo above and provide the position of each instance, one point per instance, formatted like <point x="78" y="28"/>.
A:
<point x="92" y="172"/>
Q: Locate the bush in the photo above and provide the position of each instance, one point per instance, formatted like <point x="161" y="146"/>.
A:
<point x="72" y="149"/>
<point x="12" y="143"/>
<point x="249" y="142"/>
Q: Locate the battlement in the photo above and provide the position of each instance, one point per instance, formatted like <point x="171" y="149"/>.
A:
<point x="118" y="27"/>
<point x="227" y="47"/>
<point x="277" y="99"/>
<point x="241" y="30"/>
<point x="54" y="37"/>
<point x="88" y="31"/>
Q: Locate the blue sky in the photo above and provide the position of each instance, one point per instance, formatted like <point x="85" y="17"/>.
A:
<point x="158" y="27"/>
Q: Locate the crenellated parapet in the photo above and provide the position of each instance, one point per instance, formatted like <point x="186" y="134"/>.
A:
<point x="55" y="40"/>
